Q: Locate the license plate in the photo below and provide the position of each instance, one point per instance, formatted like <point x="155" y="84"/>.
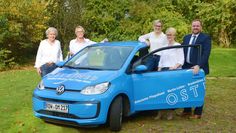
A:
<point x="57" y="107"/>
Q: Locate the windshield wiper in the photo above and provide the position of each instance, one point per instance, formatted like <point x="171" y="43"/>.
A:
<point x="89" y="68"/>
<point x="72" y="67"/>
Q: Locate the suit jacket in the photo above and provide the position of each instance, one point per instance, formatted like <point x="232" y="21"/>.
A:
<point x="205" y="41"/>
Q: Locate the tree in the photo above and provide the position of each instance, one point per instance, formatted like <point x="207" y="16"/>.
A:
<point x="102" y="18"/>
<point x="22" y="23"/>
<point x="219" y="19"/>
<point x="65" y="16"/>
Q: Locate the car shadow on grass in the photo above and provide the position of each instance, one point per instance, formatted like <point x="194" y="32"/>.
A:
<point x="136" y="121"/>
<point x="136" y="118"/>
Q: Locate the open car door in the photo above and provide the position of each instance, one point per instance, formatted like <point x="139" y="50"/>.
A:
<point x="169" y="89"/>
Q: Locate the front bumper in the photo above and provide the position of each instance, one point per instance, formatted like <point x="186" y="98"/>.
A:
<point x="82" y="111"/>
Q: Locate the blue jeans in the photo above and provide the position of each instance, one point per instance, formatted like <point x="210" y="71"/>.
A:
<point x="46" y="68"/>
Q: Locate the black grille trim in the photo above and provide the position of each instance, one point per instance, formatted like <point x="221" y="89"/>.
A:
<point x="68" y="90"/>
<point x="65" y="122"/>
<point x="57" y="121"/>
<point x="58" y="114"/>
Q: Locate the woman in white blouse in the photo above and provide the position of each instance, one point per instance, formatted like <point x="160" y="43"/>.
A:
<point x="79" y="42"/>
<point x="155" y="39"/>
<point x="49" y="53"/>
<point x="171" y="58"/>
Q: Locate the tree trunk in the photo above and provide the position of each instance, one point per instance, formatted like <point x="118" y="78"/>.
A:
<point x="224" y="39"/>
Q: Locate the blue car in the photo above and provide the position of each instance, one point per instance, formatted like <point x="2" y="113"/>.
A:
<point x="104" y="82"/>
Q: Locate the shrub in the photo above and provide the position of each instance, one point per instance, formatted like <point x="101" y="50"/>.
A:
<point x="6" y="61"/>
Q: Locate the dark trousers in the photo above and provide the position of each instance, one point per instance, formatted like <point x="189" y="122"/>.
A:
<point x="152" y="62"/>
<point x="47" y="68"/>
<point x="165" y="68"/>
<point x="197" y="110"/>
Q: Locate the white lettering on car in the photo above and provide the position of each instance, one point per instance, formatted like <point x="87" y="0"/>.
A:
<point x="177" y="88"/>
<point x="184" y="95"/>
<point x="78" y="77"/>
<point x="150" y="97"/>
<point x="195" y="82"/>
<point x="194" y="89"/>
<point x="172" y="99"/>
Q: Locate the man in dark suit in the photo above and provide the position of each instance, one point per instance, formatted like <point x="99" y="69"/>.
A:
<point x="191" y="58"/>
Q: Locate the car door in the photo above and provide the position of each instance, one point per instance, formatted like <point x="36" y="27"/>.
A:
<point x="167" y="89"/>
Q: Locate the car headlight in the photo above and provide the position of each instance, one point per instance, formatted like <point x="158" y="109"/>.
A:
<point x="96" y="89"/>
<point x="41" y="85"/>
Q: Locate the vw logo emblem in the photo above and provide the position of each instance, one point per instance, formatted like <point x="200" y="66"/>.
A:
<point x="60" y="89"/>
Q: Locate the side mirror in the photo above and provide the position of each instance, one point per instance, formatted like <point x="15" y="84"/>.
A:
<point x="60" y="63"/>
<point x="140" y="68"/>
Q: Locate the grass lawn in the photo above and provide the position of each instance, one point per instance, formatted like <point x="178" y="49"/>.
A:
<point x="16" y="115"/>
<point x="223" y="62"/>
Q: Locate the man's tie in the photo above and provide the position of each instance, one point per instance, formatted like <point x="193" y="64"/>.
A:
<point x="189" y="53"/>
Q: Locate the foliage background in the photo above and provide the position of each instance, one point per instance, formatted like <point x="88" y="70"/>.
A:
<point x="23" y="23"/>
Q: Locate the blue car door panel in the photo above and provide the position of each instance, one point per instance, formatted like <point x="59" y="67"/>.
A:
<point x="168" y="89"/>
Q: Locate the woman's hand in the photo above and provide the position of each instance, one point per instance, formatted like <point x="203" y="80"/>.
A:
<point x="172" y="68"/>
<point x="148" y="43"/>
<point x="70" y="54"/>
<point x="175" y="67"/>
<point x="39" y="71"/>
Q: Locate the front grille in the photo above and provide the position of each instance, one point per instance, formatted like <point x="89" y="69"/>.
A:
<point x="58" y="114"/>
<point x="55" y="100"/>
<point x="68" y="90"/>
<point x="50" y="88"/>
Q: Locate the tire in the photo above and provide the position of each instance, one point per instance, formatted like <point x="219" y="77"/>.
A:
<point x="116" y="114"/>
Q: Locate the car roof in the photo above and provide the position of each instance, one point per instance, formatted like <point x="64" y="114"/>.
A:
<point x="123" y="43"/>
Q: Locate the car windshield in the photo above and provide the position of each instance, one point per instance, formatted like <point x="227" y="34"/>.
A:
<point x="100" y="58"/>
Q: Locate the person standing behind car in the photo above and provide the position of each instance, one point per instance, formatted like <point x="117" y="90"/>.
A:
<point x="155" y="39"/>
<point x="191" y="56"/>
<point x="79" y="42"/>
<point x="170" y="59"/>
<point x="49" y="53"/>
<point x="173" y="58"/>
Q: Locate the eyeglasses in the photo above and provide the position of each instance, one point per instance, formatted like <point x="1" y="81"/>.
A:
<point x="157" y="25"/>
<point x="79" y="31"/>
<point x="170" y="34"/>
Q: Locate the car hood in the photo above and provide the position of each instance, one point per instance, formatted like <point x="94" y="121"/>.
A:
<point x="77" y="79"/>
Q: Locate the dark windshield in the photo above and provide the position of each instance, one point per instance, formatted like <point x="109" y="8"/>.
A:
<point x="100" y="58"/>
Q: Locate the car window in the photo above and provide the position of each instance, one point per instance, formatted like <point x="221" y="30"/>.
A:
<point x="167" y="58"/>
<point x="139" y="54"/>
<point x="100" y="57"/>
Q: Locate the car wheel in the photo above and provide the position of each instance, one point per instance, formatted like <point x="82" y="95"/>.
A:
<point x="115" y="114"/>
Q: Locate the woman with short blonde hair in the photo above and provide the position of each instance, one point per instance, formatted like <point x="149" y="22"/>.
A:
<point x="170" y="59"/>
<point x="49" y="53"/>
<point x="173" y="58"/>
<point x="79" y="42"/>
<point x="155" y="39"/>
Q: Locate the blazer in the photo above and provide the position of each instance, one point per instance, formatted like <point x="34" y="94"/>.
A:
<point x="205" y="41"/>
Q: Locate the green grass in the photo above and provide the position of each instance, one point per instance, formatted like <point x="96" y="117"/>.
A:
<point x="17" y="116"/>
<point x="223" y="62"/>
<point x="16" y="88"/>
